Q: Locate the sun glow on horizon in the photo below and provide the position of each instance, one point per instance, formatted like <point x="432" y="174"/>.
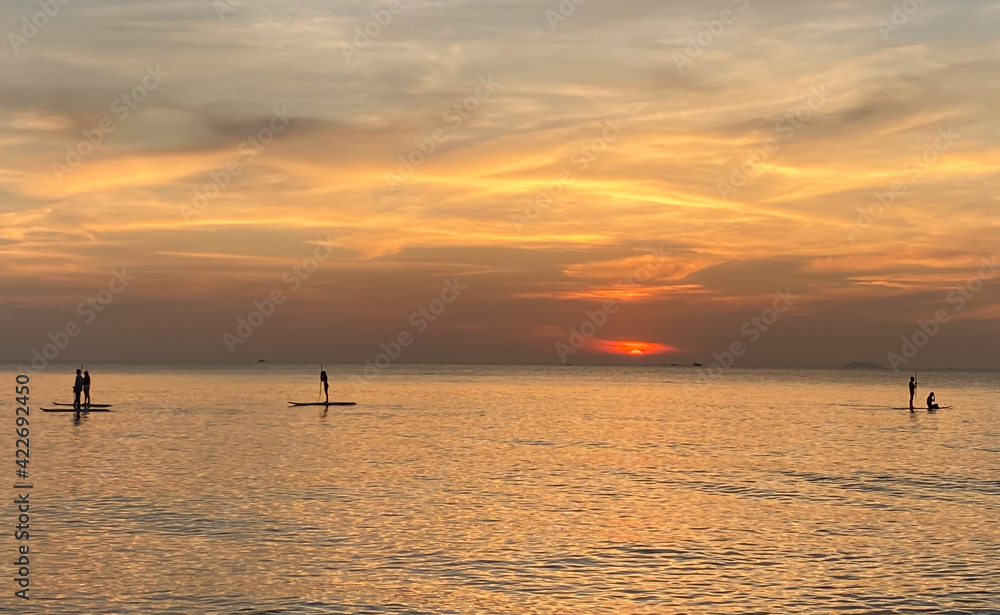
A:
<point x="633" y="348"/>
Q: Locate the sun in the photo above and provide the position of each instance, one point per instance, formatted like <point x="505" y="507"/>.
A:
<point x="632" y="348"/>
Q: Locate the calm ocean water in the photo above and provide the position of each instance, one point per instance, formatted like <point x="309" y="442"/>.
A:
<point x="489" y="489"/>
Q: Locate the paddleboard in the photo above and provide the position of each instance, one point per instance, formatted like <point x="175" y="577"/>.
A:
<point x="56" y="403"/>
<point x="924" y="408"/>
<point x="323" y="403"/>
<point x="80" y="410"/>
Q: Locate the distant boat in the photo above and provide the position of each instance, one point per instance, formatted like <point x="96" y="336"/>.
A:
<point x="698" y="365"/>
<point x="261" y="361"/>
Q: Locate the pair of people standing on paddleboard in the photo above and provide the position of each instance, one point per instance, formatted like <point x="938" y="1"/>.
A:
<point x="931" y="401"/>
<point x="81" y="385"/>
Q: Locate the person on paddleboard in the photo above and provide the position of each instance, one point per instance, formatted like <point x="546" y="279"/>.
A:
<point x="326" y="384"/>
<point x="913" y="390"/>
<point x="77" y="388"/>
<point x="86" y="387"/>
<point x="932" y="403"/>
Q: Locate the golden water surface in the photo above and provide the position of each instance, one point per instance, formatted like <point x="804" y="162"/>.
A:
<point x="510" y="490"/>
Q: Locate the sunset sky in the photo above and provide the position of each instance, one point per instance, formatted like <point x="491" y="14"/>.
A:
<point x="566" y="151"/>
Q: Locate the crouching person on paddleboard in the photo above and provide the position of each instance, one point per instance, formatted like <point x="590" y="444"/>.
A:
<point x="932" y="403"/>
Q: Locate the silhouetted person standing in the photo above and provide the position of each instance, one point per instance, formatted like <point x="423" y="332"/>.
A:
<point x="913" y="390"/>
<point x="326" y="385"/>
<point x="86" y="388"/>
<point x="77" y="388"/>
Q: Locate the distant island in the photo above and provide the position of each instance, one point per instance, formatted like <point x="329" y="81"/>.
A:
<point x="863" y="365"/>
